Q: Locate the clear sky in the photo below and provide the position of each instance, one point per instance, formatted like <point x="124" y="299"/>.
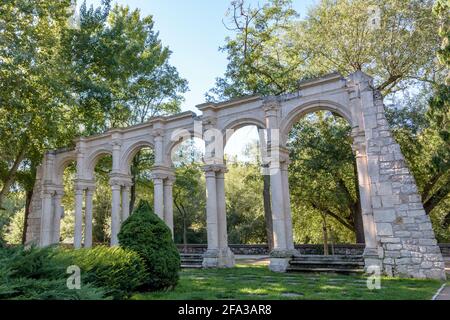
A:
<point x="194" y="31"/>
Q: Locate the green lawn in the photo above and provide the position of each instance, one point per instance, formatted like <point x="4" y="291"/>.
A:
<point x="257" y="282"/>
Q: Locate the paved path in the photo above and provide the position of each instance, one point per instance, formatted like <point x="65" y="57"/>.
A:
<point x="252" y="259"/>
<point x="444" y="294"/>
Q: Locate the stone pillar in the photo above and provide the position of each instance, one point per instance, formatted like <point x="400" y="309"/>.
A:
<point x="210" y="258"/>
<point x="78" y="217"/>
<point x="47" y="218"/>
<point x="280" y="255"/>
<point x="88" y="218"/>
<point x="226" y="255"/>
<point x="168" y="202"/>
<point x="115" y="212"/>
<point x="371" y="250"/>
<point x="158" y="196"/>
<point x="287" y="206"/>
<point x="58" y="211"/>
<point x="125" y="202"/>
<point x="158" y="134"/>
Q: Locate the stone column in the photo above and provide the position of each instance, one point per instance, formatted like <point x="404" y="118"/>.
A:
<point x="371" y="251"/>
<point x="158" y="196"/>
<point x="47" y="218"/>
<point x="210" y="258"/>
<point x="58" y="210"/>
<point x="287" y="206"/>
<point x="280" y="255"/>
<point x="125" y="202"/>
<point x="78" y="217"/>
<point x="88" y="218"/>
<point x="226" y="255"/>
<point x="115" y="212"/>
<point x="168" y="202"/>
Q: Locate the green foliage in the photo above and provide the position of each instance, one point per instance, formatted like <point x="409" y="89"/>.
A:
<point x="146" y="234"/>
<point x="189" y="216"/>
<point x="39" y="273"/>
<point x="117" y="270"/>
<point x="245" y="212"/>
<point x="322" y="176"/>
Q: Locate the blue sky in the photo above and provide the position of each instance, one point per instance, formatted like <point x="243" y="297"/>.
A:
<point x="194" y="31"/>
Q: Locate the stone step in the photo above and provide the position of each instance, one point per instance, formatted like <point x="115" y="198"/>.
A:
<point x="333" y="263"/>
<point x="328" y="258"/>
<point x="325" y="270"/>
<point x="326" y="266"/>
<point x="191" y="260"/>
<point x="191" y="266"/>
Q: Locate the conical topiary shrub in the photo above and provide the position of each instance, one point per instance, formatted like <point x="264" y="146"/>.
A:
<point x="145" y="233"/>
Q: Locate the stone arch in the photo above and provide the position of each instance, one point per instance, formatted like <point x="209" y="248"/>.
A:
<point x="92" y="160"/>
<point x="61" y="165"/>
<point x="293" y="116"/>
<point x="183" y="135"/>
<point x="131" y="151"/>
<point x="240" y="123"/>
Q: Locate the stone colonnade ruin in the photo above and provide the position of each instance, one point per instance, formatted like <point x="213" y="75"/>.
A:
<point x="398" y="234"/>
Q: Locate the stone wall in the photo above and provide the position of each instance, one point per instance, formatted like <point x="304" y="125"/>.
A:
<point x="406" y="243"/>
<point x="262" y="249"/>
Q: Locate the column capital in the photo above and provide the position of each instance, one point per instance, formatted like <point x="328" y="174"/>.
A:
<point x="90" y="189"/>
<point x="219" y="168"/>
<point x="120" y="179"/>
<point x="162" y="172"/>
<point x="83" y="183"/>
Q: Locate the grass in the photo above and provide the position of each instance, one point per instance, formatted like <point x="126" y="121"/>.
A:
<point x="246" y="282"/>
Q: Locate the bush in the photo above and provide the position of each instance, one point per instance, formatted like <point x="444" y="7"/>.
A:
<point x="46" y="289"/>
<point x="149" y="236"/>
<point x="117" y="270"/>
<point x="37" y="273"/>
<point x="41" y="273"/>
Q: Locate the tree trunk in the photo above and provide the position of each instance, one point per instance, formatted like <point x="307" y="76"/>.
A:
<point x="134" y="173"/>
<point x="28" y="197"/>
<point x="357" y="211"/>
<point x="325" y="235"/>
<point x="268" y="212"/>
<point x="11" y="176"/>
<point x="184" y="234"/>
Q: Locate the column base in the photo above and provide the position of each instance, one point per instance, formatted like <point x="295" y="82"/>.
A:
<point x="218" y="258"/>
<point x="372" y="261"/>
<point x="279" y="259"/>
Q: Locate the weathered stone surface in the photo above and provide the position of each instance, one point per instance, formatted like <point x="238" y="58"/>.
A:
<point x="398" y="233"/>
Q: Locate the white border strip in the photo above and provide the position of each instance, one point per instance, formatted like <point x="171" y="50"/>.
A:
<point x="438" y="292"/>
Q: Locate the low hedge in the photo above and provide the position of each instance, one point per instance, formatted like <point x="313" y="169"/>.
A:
<point x="115" y="269"/>
<point x="41" y="273"/>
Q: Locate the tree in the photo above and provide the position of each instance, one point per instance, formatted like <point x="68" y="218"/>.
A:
<point x="33" y="99"/>
<point x="272" y="50"/>
<point x="391" y="40"/>
<point x="323" y="170"/>
<point x="189" y="215"/>
<point x="58" y="82"/>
